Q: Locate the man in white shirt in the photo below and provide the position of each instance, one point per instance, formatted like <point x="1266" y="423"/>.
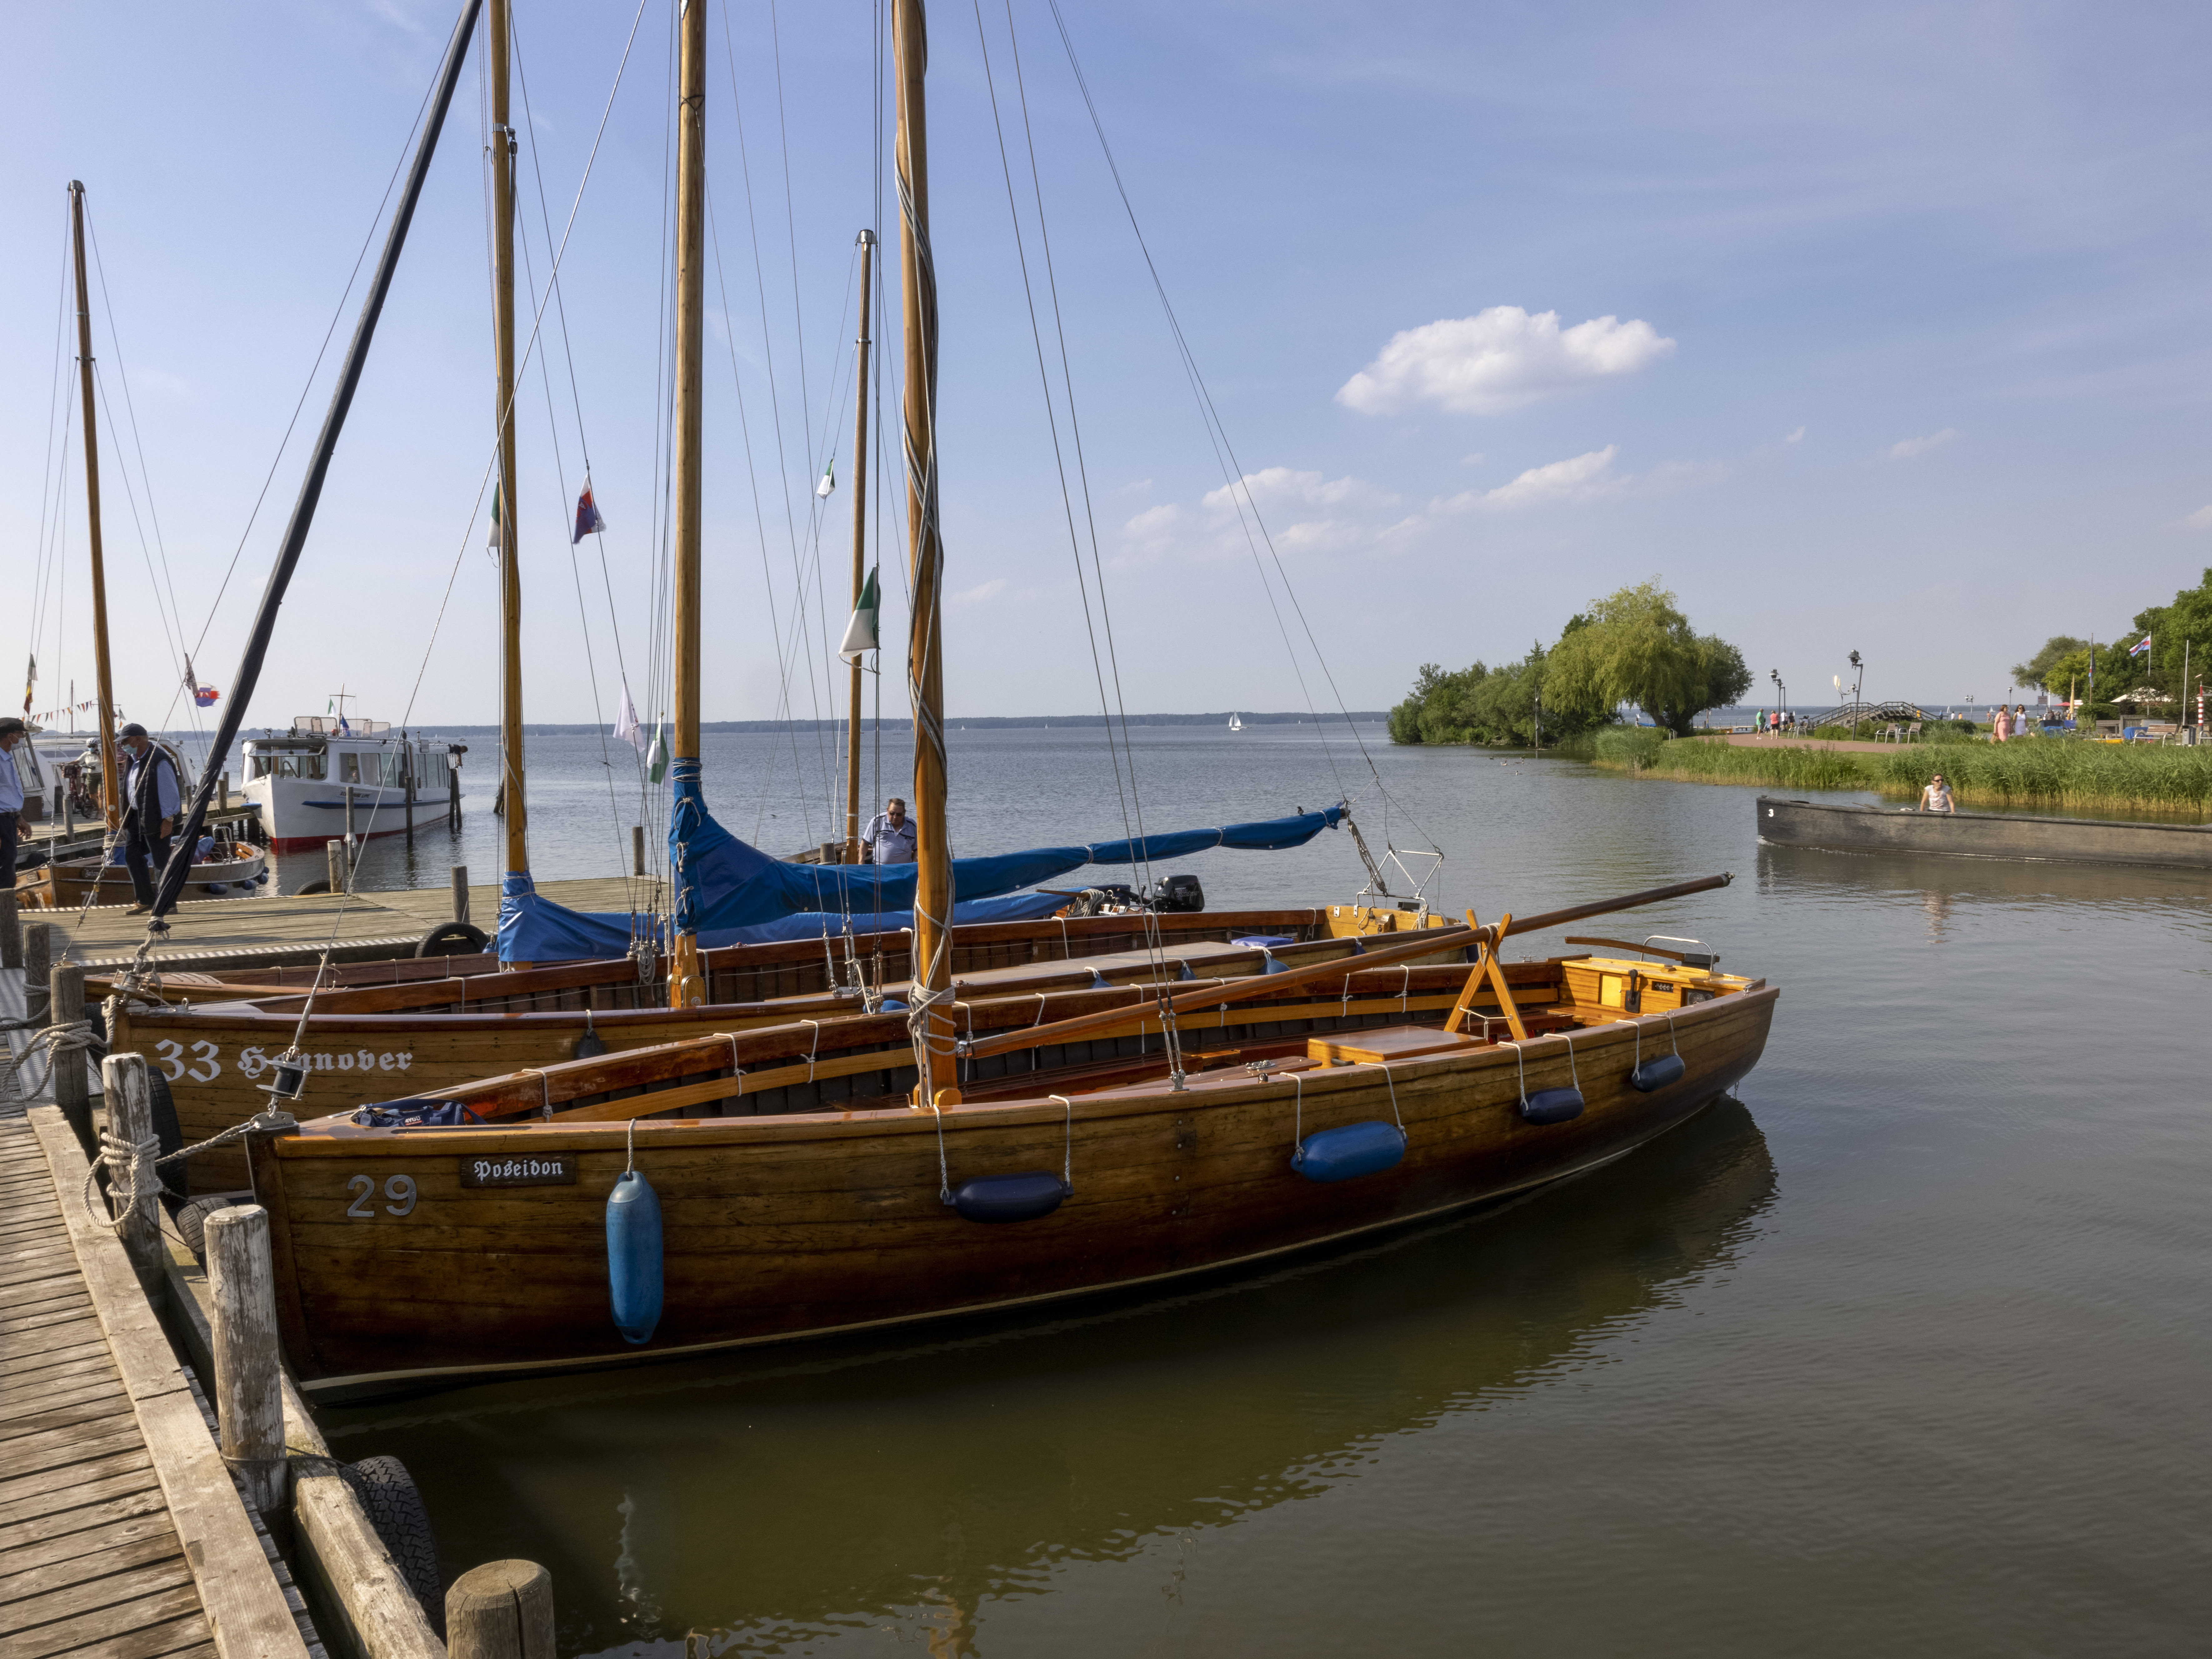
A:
<point x="889" y="838"/>
<point x="11" y="793"/>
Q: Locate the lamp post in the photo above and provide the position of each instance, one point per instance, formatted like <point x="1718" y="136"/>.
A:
<point x="1858" y="679"/>
<point x="1782" y="691"/>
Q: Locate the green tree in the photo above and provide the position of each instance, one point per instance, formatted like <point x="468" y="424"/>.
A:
<point x="2037" y="670"/>
<point x="1638" y="647"/>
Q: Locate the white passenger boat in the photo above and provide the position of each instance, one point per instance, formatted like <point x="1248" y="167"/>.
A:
<point x="331" y="776"/>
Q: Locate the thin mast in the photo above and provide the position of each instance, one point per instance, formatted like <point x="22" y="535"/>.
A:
<point x="510" y="564"/>
<point x="111" y="780"/>
<point x="687" y="985"/>
<point x="859" y="550"/>
<point x="932" y="896"/>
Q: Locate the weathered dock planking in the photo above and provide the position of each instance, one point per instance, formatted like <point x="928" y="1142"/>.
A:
<point x="121" y="1532"/>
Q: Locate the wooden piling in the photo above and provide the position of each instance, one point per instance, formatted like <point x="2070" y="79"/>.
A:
<point x="460" y="892"/>
<point x="72" y="1091"/>
<point x="38" y="966"/>
<point x="128" y="1092"/>
<point x="501" y="1610"/>
<point x="334" y="856"/>
<point x="249" y="1392"/>
<point x="637" y="849"/>
<point x="11" y="927"/>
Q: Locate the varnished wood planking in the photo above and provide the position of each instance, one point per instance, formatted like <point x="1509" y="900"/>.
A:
<point x="835" y="1221"/>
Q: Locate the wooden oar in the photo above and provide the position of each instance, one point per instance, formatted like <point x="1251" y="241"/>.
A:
<point x="1424" y="944"/>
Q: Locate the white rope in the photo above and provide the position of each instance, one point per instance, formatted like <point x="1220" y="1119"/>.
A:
<point x="123" y="1159"/>
<point x="1392" y="1082"/>
<point x="1067" y="1160"/>
<point x="74" y="1037"/>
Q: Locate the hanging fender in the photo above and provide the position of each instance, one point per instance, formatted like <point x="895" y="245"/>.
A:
<point x="634" y="1275"/>
<point x="1357" y="1149"/>
<point x="1654" y="1074"/>
<point x="1552" y="1106"/>
<point x="1026" y="1197"/>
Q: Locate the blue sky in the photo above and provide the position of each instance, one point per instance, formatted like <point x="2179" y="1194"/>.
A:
<point x="1880" y="327"/>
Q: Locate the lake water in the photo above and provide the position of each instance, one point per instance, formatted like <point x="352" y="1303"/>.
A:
<point x="1903" y="1351"/>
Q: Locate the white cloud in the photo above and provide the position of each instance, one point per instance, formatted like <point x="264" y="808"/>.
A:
<point x="982" y="593"/>
<point x="1141" y="487"/>
<point x="1581" y="479"/>
<point x="2200" y="519"/>
<point x="1796" y="437"/>
<point x="1911" y="449"/>
<point x="1496" y="360"/>
<point x="1277" y="486"/>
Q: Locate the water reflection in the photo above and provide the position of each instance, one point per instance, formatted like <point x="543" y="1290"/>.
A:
<point x="776" y="1498"/>
<point x="1815" y="873"/>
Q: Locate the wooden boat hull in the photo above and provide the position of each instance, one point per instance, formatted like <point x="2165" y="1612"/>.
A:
<point x="779" y="1227"/>
<point x="1841" y="828"/>
<point x="64" y="886"/>
<point x="217" y="1056"/>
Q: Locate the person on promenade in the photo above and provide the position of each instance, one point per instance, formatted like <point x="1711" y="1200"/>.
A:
<point x="150" y="800"/>
<point x="2001" y="727"/>
<point x="1937" y="797"/>
<point x="11" y="792"/>
<point x="889" y="838"/>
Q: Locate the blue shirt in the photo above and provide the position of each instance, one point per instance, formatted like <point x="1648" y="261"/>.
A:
<point x="11" y="782"/>
<point x="886" y="842"/>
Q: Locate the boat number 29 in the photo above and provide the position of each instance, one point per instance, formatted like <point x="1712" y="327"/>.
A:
<point x="205" y="1063"/>
<point x="400" y="1190"/>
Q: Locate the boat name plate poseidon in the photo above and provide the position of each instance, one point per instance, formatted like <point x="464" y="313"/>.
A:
<point x="544" y="1170"/>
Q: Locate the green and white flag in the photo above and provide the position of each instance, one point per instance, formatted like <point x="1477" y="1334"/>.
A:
<point x="829" y="480"/>
<point x="860" y="632"/>
<point x="657" y="760"/>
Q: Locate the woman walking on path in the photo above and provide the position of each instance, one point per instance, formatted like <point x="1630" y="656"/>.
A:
<point x="2001" y="727"/>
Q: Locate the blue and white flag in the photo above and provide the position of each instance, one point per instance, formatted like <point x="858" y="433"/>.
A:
<point x="2140" y="648"/>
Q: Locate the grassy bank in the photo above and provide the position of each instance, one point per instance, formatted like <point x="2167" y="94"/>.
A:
<point x="2032" y="772"/>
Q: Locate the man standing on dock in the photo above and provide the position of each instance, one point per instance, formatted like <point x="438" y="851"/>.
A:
<point x="11" y="792"/>
<point x="889" y="838"/>
<point x="150" y="800"/>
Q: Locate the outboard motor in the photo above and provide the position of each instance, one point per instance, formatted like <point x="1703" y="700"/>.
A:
<point x="1179" y="893"/>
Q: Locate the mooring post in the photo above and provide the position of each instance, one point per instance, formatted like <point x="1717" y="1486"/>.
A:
<point x="407" y="773"/>
<point x="66" y="809"/>
<point x="225" y="792"/>
<point x="501" y="1610"/>
<point x="72" y="1089"/>
<point x="334" y="855"/>
<point x="38" y="966"/>
<point x="460" y="892"/>
<point x="129" y="1094"/>
<point x="249" y="1395"/>
<point x="637" y="849"/>
<point x="11" y="927"/>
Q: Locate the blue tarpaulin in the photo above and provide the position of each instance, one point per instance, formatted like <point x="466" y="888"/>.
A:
<point x="728" y="892"/>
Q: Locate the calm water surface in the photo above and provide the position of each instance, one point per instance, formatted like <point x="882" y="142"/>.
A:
<point x="1903" y="1351"/>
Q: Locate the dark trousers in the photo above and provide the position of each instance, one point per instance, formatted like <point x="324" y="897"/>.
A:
<point x="8" y="847"/>
<point x="139" y="851"/>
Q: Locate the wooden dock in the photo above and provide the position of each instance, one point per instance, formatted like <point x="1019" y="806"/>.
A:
<point x="208" y="931"/>
<point x="121" y="1531"/>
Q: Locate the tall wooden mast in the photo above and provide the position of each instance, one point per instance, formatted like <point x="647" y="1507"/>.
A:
<point x="859" y="548"/>
<point x="111" y="776"/>
<point x="503" y="147"/>
<point x="932" y="897"/>
<point x="686" y="982"/>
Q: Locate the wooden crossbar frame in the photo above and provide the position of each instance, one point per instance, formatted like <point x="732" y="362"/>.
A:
<point x="1486" y="969"/>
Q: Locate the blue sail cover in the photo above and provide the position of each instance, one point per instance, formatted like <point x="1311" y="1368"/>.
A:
<point x="728" y="892"/>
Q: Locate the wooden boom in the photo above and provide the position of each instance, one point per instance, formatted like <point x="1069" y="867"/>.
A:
<point x="1426" y="943"/>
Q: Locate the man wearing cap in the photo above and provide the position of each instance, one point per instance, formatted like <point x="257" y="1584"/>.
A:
<point x="11" y="793"/>
<point x="150" y="800"/>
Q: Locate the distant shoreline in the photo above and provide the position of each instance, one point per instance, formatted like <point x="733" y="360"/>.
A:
<point x="985" y="722"/>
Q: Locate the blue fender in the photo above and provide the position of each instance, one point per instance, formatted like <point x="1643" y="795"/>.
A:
<point x="1658" y="1073"/>
<point x="1357" y="1149"/>
<point x="633" y="1256"/>
<point x="1552" y="1105"/>
<point x="1024" y="1197"/>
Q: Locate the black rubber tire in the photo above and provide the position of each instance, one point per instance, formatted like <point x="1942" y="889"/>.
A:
<point x="319" y="885"/>
<point x="453" y="939"/>
<point x="168" y="1133"/>
<point x="394" y="1506"/>
<point x="191" y="1220"/>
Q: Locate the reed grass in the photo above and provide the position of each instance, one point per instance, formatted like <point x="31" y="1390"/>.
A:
<point x="2031" y="772"/>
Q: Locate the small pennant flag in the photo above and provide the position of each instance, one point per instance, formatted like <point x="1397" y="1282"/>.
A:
<point x="860" y="632"/>
<point x="2141" y="648"/>
<point x="625" y="721"/>
<point x="588" y="522"/>
<point x="829" y="480"/>
<point x="657" y="757"/>
<point x="492" y="540"/>
<point x="30" y="680"/>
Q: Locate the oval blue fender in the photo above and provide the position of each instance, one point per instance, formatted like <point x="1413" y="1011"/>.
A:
<point x="633" y="1256"/>
<point x="1658" y="1073"/>
<point x="1357" y="1149"/>
<point x="1552" y="1105"/>
<point x="1024" y="1197"/>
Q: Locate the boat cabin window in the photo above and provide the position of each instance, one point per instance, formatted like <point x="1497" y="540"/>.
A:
<point x="289" y="766"/>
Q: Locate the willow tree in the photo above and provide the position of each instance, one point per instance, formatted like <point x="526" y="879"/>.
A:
<point x="1637" y="646"/>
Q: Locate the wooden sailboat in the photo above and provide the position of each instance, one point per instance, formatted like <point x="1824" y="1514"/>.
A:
<point x="802" y="1175"/>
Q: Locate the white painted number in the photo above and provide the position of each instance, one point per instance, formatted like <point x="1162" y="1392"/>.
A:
<point x="364" y="1188"/>
<point x="400" y="1189"/>
<point x="172" y="1054"/>
<point x="209" y="1067"/>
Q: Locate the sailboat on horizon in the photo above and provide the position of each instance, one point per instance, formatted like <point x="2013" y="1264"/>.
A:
<point x="1234" y="724"/>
